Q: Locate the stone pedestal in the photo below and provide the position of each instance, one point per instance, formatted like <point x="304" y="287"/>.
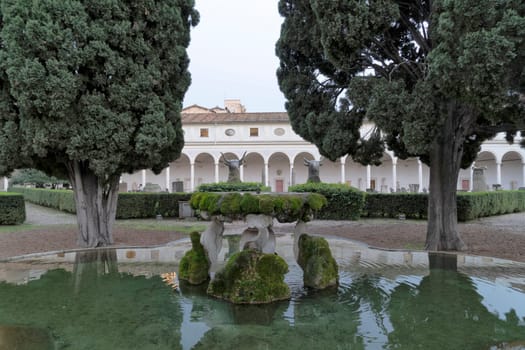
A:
<point x="211" y="240"/>
<point x="259" y="235"/>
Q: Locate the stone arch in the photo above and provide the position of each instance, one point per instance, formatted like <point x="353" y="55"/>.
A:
<point x="279" y="172"/>
<point x="512" y="170"/>
<point x="381" y="175"/>
<point x="253" y="168"/>
<point x="355" y="174"/>
<point x="204" y="169"/>
<point x="407" y="173"/>
<point x="180" y="174"/>
<point x="488" y="160"/>
<point x="300" y="172"/>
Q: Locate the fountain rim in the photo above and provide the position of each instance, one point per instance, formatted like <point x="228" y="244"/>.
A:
<point x="29" y="256"/>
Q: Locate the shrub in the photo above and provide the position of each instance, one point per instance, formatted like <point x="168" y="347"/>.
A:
<point x="233" y="187"/>
<point x="134" y="205"/>
<point x="58" y="199"/>
<point x="12" y="209"/>
<point x="344" y="202"/>
<point x="473" y="205"/>
<point x="130" y="205"/>
<point x="412" y="205"/>
<point x="470" y="205"/>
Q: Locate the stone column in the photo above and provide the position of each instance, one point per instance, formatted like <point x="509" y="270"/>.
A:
<point x="266" y="173"/>
<point x="498" y="173"/>
<point x="6" y="180"/>
<point x="143" y="178"/>
<point x="168" y="187"/>
<point x="420" y="175"/>
<point x="216" y="172"/>
<point x="192" y="177"/>
<point x="368" y="176"/>
<point x="394" y="174"/>
<point x="241" y="173"/>
<point x="471" y="181"/>
<point x="343" y="175"/>
<point x="291" y="174"/>
<point x="522" y="180"/>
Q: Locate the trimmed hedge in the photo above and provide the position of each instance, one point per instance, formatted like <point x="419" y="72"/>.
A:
<point x="473" y="205"/>
<point x="131" y="205"/>
<point x="12" y="209"/>
<point x="58" y="199"/>
<point x="344" y="202"/>
<point x="470" y="205"/>
<point x="284" y="207"/>
<point x="234" y="187"/>
<point x="134" y="205"/>
<point x="390" y="205"/>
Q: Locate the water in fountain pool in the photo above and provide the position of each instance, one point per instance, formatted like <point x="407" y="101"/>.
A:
<point x="117" y="299"/>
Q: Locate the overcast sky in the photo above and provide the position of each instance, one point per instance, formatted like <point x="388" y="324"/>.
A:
<point x="232" y="53"/>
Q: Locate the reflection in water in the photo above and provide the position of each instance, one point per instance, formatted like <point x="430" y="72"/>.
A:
<point x="445" y="310"/>
<point x="92" y="264"/>
<point x="430" y="305"/>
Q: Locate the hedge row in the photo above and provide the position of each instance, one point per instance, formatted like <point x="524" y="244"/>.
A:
<point x="234" y="187"/>
<point x="390" y="205"/>
<point x="470" y="205"/>
<point x="12" y="209"/>
<point x="129" y="206"/>
<point x="344" y="202"/>
<point x="58" y="199"/>
<point x="147" y="205"/>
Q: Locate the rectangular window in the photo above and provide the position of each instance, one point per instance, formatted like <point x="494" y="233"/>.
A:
<point x="254" y="131"/>
<point x="204" y="132"/>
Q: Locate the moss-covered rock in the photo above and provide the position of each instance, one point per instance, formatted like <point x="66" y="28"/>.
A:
<point x="318" y="264"/>
<point x="251" y="277"/>
<point x="194" y="265"/>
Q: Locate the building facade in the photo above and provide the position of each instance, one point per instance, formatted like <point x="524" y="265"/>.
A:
<point x="275" y="156"/>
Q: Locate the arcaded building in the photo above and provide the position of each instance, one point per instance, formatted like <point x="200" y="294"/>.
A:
<point x="274" y="155"/>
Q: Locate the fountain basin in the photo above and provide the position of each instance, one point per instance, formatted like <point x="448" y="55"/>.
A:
<point x="117" y="299"/>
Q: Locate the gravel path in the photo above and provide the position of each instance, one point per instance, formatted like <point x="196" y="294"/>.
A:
<point x="38" y="215"/>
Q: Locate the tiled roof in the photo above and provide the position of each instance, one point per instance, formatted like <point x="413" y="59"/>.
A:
<point x="208" y="118"/>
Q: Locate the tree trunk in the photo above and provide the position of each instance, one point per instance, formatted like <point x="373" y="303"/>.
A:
<point x="445" y="163"/>
<point x="96" y="203"/>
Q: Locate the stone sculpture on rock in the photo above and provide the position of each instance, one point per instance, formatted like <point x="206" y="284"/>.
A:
<point x="194" y="266"/>
<point x="251" y="277"/>
<point x="233" y="167"/>
<point x="315" y="258"/>
<point x="313" y="169"/>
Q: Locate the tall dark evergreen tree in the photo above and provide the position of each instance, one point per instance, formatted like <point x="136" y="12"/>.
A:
<point x="90" y="90"/>
<point x="437" y="78"/>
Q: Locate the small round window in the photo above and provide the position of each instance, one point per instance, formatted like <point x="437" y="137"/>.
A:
<point x="229" y="132"/>
<point x="279" y="131"/>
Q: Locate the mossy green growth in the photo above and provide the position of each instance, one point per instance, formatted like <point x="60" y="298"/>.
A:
<point x="230" y="204"/>
<point x="286" y="207"/>
<point x="319" y="266"/>
<point x="250" y="204"/>
<point x="194" y="264"/>
<point x="266" y="205"/>
<point x="251" y="277"/>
